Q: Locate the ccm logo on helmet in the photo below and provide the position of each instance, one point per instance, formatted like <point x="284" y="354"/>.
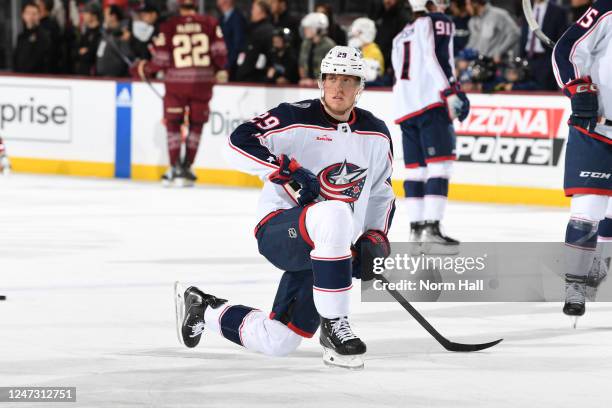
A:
<point x="593" y="174"/>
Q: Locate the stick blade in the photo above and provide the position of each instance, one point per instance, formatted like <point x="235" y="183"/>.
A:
<point x="460" y="347"/>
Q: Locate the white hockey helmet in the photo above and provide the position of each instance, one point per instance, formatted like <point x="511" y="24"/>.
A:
<point x="362" y="31"/>
<point x="419" y="5"/>
<point x="317" y="21"/>
<point x="345" y="61"/>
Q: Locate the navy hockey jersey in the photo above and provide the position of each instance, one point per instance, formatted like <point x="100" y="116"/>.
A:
<point x="586" y="49"/>
<point x="352" y="160"/>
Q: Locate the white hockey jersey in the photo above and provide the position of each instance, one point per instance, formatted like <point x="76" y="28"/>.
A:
<point x="352" y="160"/>
<point x="586" y="49"/>
<point x="422" y="58"/>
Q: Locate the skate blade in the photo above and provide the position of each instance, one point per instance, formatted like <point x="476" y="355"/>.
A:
<point x="182" y="182"/>
<point x="432" y="248"/>
<point x="574" y="320"/>
<point x="166" y="183"/>
<point x="415" y="248"/>
<point x="333" y="359"/>
<point x="179" y="307"/>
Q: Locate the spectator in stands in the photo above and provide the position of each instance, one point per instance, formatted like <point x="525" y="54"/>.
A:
<point x="493" y="32"/>
<point x="361" y="35"/>
<point x="233" y="24"/>
<point x="49" y="23"/>
<point x="252" y="61"/>
<point x="554" y="21"/>
<point x="114" y="48"/>
<point x="481" y="74"/>
<point x="515" y="76"/>
<point x="578" y="8"/>
<point x="283" y="66"/>
<point x="390" y="17"/>
<point x="69" y="19"/>
<point x="58" y="12"/>
<point x="315" y="46"/>
<point x="335" y="32"/>
<point x="281" y="18"/>
<point x="144" y="28"/>
<point x="90" y="39"/>
<point x="463" y="70"/>
<point x="461" y="18"/>
<point x="32" y="51"/>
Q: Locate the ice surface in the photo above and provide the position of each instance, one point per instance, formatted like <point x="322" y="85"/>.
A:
<point x="88" y="267"/>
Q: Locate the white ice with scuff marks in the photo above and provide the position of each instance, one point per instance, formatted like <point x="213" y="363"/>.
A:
<point x="88" y="267"/>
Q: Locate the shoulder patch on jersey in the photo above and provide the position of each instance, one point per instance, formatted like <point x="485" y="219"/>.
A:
<point x="302" y="105"/>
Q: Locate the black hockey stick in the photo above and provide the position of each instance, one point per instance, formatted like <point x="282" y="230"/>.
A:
<point x="129" y="63"/>
<point x="446" y="343"/>
<point x="535" y="27"/>
<point x="293" y="190"/>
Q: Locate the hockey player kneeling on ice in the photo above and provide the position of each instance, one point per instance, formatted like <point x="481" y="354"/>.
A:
<point x="581" y="62"/>
<point x="339" y="158"/>
<point x="427" y="99"/>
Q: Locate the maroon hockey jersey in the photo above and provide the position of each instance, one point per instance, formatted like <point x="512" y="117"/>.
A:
<point x="190" y="50"/>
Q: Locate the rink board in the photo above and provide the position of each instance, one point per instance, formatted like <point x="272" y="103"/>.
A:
<point x="510" y="149"/>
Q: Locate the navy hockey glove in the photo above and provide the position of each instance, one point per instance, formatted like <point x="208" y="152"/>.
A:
<point x="289" y="170"/>
<point x="583" y="95"/>
<point x="457" y="102"/>
<point x="371" y="244"/>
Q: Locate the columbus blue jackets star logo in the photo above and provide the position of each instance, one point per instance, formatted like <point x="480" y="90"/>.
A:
<point x="342" y="181"/>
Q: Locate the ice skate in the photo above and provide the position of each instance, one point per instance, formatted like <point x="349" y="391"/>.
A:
<point x="434" y="242"/>
<point x="597" y="274"/>
<point x="189" y="178"/>
<point x="575" y="292"/>
<point x="416" y="231"/>
<point x="341" y="348"/>
<point x="170" y="175"/>
<point x="191" y="303"/>
<point x="414" y="239"/>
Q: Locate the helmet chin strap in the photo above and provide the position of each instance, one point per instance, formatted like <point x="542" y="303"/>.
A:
<point x="361" y="86"/>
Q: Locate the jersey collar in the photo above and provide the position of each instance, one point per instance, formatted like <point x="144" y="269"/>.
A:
<point x="334" y="122"/>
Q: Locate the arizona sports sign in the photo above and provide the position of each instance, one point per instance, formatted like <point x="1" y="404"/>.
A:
<point x="510" y="135"/>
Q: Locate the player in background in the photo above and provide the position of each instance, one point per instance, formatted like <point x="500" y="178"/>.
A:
<point x="191" y="52"/>
<point x="581" y="63"/>
<point x="361" y="35"/>
<point x="340" y="157"/>
<point x="5" y="164"/>
<point x="427" y="99"/>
